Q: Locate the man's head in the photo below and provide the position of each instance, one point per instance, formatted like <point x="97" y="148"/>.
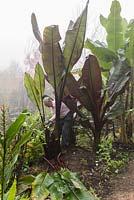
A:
<point x="48" y="101"/>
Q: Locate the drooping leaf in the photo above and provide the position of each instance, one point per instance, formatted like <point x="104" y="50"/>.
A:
<point x="114" y="27"/>
<point x="130" y="46"/>
<point x="52" y="55"/>
<point x="74" y="40"/>
<point x="104" y="55"/>
<point x="39" y="80"/>
<point x="31" y="89"/>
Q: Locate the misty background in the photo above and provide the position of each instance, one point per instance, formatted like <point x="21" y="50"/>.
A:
<point x="19" y="50"/>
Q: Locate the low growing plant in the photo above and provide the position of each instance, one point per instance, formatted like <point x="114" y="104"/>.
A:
<point x="111" y="158"/>
<point x="60" y="185"/>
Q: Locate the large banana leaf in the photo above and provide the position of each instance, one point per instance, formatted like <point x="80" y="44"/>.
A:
<point x="52" y="55"/>
<point x="74" y="40"/>
<point x="31" y="89"/>
<point x="114" y="27"/>
<point x="130" y="46"/>
<point x="39" y="80"/>
<point x="104" y="55"/>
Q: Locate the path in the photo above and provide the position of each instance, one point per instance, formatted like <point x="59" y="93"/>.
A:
<point x="122" y="188"/>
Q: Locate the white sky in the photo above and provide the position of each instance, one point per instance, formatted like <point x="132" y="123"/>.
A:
<point x="15" y="21"/>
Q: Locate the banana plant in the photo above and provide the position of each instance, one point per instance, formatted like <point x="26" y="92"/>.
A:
<point x="99" y="101"/>
<point x="9" y="149"/>
<point x="58" y="61"/>
<point x="118" y="48"/>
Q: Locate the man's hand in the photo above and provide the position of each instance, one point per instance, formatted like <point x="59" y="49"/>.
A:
<point x="48" y="122"/>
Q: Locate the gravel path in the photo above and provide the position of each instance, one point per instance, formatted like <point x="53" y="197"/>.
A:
<point x="123" y="187"/>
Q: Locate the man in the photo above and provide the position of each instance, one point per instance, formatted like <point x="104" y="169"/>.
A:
<point x="66" y="121"/>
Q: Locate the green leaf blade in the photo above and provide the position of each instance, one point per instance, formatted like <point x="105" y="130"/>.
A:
<point x="74" y="40"/>
<point x="31" y="89"/>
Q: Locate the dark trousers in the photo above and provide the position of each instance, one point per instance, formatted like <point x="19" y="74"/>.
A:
<point x="67" y="133"/>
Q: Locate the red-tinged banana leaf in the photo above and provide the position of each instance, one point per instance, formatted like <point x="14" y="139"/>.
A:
<point x="92" y="80"/>
<point x="73" y="88"/>
<point x="74" y="40"/>
<point x="52" y="55"/>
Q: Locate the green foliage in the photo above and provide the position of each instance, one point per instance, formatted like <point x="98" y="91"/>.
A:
<point x="110" y="157"/>
<point x="57" y="186"/>
<point x="104" y="55"/>
<point x="33" y="150"/>
<point x="35" y="88"/>
<point x="10" y="148"/>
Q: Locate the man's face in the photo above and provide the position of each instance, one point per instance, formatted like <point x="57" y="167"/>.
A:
<point x="48" y="103"/>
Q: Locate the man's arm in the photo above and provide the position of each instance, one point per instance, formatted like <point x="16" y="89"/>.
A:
<point x="52" y="118"/>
